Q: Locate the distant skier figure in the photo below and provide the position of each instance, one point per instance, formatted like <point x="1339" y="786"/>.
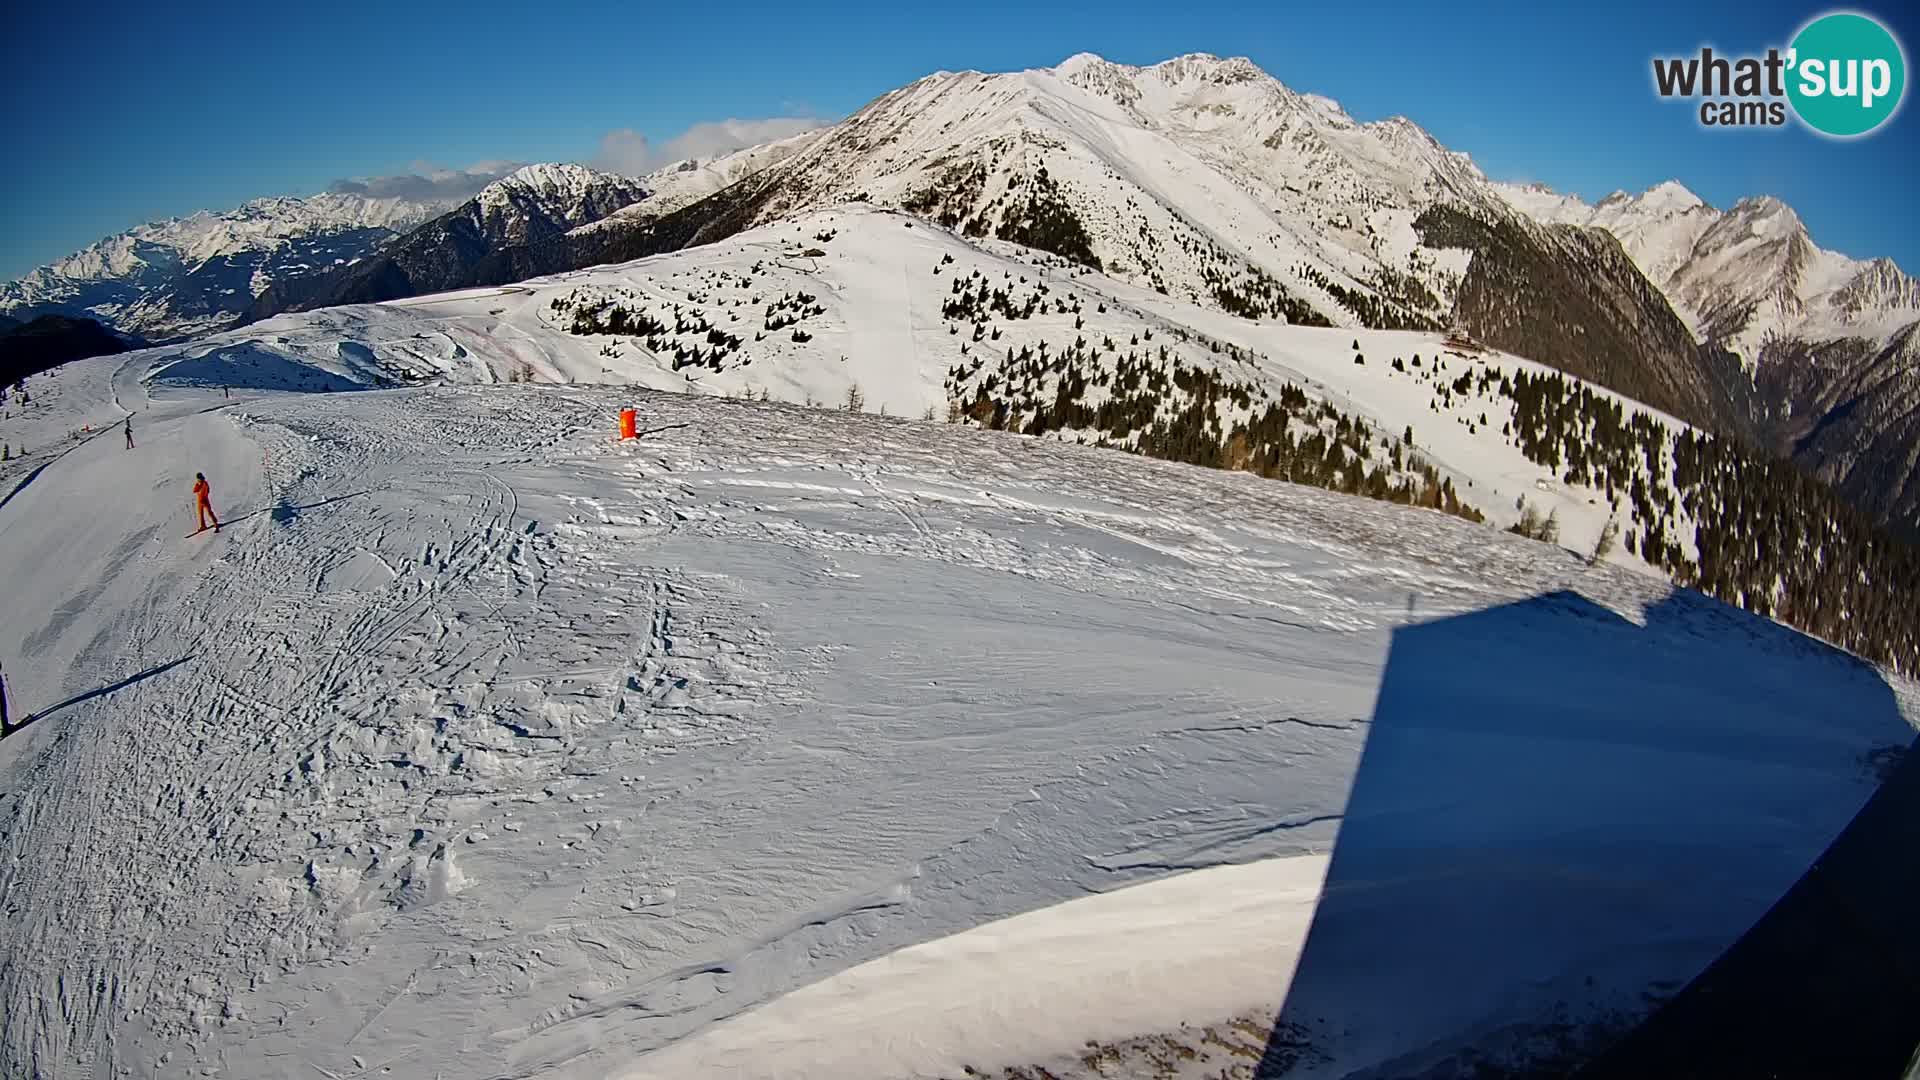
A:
<point x="129" y="432"/>
<point x="7" y="726"/>
<point x="226" y="392"/>
<point x="203" y="505"/>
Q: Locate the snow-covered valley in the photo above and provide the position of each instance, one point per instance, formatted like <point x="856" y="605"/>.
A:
<point x="481" y="744"/>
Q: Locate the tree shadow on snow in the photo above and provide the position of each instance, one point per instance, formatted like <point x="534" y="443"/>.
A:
<point x="1561" y="817"/>
<point x="91" y="694"/>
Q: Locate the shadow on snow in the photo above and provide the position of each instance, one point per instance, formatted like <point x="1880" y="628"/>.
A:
<point x="250" y="366"/>
<point x="285" y="513"/>
<point x="1825" y="985"/>
<point x="97" y="692"/>
<point x="1560" y="817"/>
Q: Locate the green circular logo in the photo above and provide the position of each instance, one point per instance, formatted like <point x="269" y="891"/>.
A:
<point x="1847" y="74"/>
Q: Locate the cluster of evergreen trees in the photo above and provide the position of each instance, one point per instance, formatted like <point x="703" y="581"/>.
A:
<point x="1374" y="312"/>
<point x="1154" y="403"/>
<point x="976" y="299"/>
<point x="691" y="339"/>
<point x="1572" y="298"/>
<point x="1778" y="542"/>
<point x="608" y="317"/>
<point x="1259" y="295"/>
<point x="1765" y="536"/>
<point x="791" y="308"/>
<point x="1043" y="220"/>
<point x="1032" y="212"/>
<point x="1408" y="292"/>
<point x="954" y="200"/>
<point x="1588" y="438"/>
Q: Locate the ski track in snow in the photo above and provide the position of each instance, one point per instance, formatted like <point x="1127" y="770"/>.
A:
<point x="491" y="747"/>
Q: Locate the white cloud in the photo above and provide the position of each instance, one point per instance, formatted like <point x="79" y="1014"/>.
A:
<point x="428" y="182"/>
<point x="624" y="151"/>
<point x="628" y="151"/>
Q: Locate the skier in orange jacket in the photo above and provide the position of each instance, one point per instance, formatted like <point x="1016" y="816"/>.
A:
<point x="202" y="505"/>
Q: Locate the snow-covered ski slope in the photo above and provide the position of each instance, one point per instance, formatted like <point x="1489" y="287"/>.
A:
<point x="481" y="745"/>
<point x="876" y="317"/>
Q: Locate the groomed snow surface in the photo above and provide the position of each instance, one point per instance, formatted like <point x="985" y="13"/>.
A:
<point x="788" y="742"/>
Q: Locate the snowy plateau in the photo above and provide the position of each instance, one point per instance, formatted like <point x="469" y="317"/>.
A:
<point x="819" y="731"/>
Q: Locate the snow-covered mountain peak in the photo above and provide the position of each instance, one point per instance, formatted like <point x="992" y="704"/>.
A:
<point x="1670" y="195"/>
<point x="551" y="197"/>
<point x="1098" y="76"/>
<point x="1198" y="90"/>
<point x="1244" y="121"/>
<point x="1741" y="276"/>
<point x="549" y="179"/>
<point x="1081" y="63"/>
<point x="1542" y="203"/>
<point x="1392" y="126"/>
<point x="1767" y="217"/>
<point x="1326" y="107"/>
<point x="1879" y="285"/>
<point x="1408" y="142"/>
<point x="1206" y="67"/>
<point x="1197" y="66"/>
<point x="1667" y="197"/>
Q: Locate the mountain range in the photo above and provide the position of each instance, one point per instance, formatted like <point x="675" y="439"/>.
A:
<point x="1202" y="179"/>
<point x="1831" y="345"/>
<point x="197" y="274"/>
<point x="460" y="247"/>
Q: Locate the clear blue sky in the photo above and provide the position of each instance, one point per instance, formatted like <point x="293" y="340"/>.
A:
<point x="121" y="112"/>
